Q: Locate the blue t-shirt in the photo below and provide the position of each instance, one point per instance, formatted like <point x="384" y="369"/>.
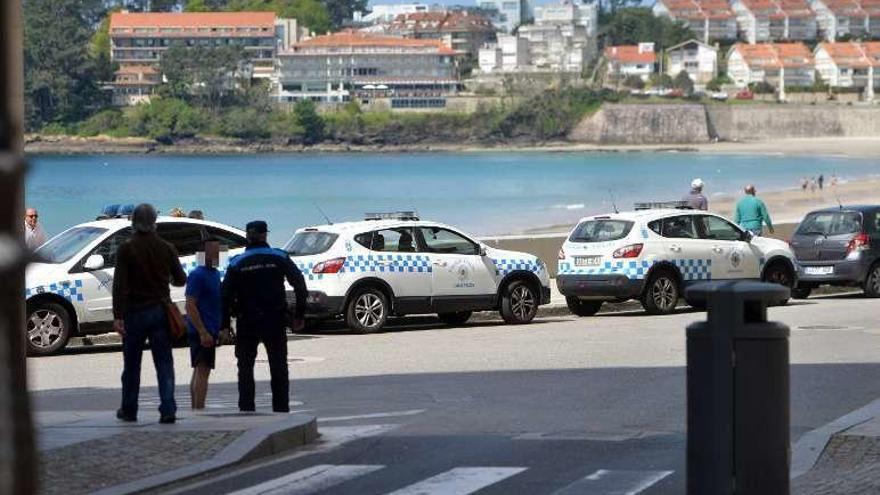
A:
<point x="204" y="284"/>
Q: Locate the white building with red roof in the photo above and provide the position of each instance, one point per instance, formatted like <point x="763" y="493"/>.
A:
<point x="775" y="20"/>
<point x="849" y="64"/>
<point x="779" y="64"/>
<point x="710" y="20"/>
<point x="852" y="18"/>
<point x="631" y="60"/>
<point x="697" y="59"/>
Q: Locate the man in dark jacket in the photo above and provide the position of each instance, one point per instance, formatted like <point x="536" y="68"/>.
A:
<point x="254" y="292"/>
<point x="145" y="267"/>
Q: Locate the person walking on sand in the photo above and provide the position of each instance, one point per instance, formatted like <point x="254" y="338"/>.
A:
<point x="253" y="291"/>
<point x="145" y="266"/>
<point x="751" y="213"/>
<point x="695" y="199"/>
<point x="833" y="181"/>
<point x="821" y="181"/>
<point x="204" y="316"/>
<point x="34" y="235"/>
<point x="813" y="185"/>
<point x="804" y="183"/>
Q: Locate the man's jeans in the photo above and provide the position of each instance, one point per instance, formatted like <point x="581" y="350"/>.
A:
<point x="142" y="324"/>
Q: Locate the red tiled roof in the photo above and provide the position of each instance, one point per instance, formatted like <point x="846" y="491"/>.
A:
<point x="852" y="54"/>
<point x="353" y="39"/>
<point x="629" y="54"/>
<point x="454" y="20"/>
<point x="137" y="69"/>
<point x="699" y="9"/>
<point x="844" y="7"/>
<point x="191" y="19"/>
<point x="775" y="55"/>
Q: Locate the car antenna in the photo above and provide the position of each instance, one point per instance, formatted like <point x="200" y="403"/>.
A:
<point x="329" y="222"/>
<point x="837" y="197"/>
<point x="613" y="204"/>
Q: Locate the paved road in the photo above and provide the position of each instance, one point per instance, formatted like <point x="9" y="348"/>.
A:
<point x="565" y="405"/>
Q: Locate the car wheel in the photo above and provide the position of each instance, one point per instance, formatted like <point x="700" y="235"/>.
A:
<point x="582" y="308"/>
<point x="801" y="292"/>
<point x="519" y="302"/>
<point x="872" y="282"/>
<point x="367" y="310"/>
<point x="661" y="293"/>
<point x="48" y="328"/>
<point x="780" y="274"/>
<point x="456" y="318"/>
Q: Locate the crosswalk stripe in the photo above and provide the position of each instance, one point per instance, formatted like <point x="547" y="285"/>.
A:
<point x="607" y="482"/>
<point x="310" y="480"/>
<point x="460" y="481"/>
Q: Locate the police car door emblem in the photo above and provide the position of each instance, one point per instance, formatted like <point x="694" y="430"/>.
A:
<point x="735" y="259"/>
<point x="462" y="271"/>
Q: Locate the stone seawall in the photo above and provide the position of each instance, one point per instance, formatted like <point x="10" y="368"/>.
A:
<point x="696" y="123"/>
<point x="644" y="124"/>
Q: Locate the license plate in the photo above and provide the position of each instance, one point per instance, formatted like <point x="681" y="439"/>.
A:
<point x="819" y="270"/>
<point x="587" y="260"/>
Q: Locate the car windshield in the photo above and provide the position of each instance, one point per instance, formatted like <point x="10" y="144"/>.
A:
<point x="310" y="242"/>
<point x="831" y="223"/>
<point x="68" y="243"/>
<point x="601" y="230"/>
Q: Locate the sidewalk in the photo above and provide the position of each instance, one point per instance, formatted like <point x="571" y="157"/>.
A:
<point x="93" y="452"/>
<point x="849" y="464"/>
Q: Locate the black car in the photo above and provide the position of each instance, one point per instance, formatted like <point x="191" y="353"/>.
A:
<point x="838" y="246"/>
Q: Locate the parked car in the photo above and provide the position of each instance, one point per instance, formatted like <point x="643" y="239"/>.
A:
<point x="396" y="264"/>
<point x="70" y="292"/>
<point x="839" y="246"/>
<point x="653" y="254"/>
<point x="745" y="95"/>
<point x="719" y="95"/>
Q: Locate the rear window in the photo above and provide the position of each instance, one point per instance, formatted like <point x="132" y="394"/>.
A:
<point x="601" y="230"/>
<point x="831" y="223"/>
<point x="309" y="243"/>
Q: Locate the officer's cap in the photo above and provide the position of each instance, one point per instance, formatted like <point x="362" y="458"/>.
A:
<point x="257" y="226"/>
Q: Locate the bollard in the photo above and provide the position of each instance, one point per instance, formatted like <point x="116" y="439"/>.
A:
<point x="737" y="392"/>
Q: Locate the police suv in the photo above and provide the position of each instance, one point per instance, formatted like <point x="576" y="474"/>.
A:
<point x="396" y="264"/>
<point x="654" y="252"/>
<point x="70" y="292"/>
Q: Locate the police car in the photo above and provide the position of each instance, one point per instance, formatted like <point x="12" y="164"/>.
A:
<point x="395" y="264"/>
<point x="70" y="292"/>
<point x="653" y="253"/>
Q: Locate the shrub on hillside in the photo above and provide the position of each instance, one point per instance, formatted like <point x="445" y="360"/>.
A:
<point x="311" y="122"/>
<point x="164" y="119"/>
<point x="244" y="123"/>
<point x="110" y="122"/>
<point x="683" y="82"/>
<point x="634" y="82"/>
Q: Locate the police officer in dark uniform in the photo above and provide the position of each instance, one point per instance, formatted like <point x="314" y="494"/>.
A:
<point x="254" y="292"/>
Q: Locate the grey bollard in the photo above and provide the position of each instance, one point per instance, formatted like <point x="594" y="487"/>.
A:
<point x="737" y="392"/>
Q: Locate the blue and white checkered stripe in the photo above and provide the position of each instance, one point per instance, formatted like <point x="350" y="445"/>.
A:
<point x="400" y="263"/>
<point x="306" y="269"/>
<point x="694" y="269"/>
<point x="505" y="266"/>
<point x="70" y="290"/>
<point x="631" y="269"/>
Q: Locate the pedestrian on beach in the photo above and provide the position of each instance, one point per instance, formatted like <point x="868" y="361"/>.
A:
<point x="34" y="236"/>
<point x="834" y="181"/>
<point x="813" y="185"/>
<point x="177" y="212"/>
<point x="695" y="199"/>
<point x="254" y="293"/>
<point x="751" y="213"/>
<point x="821" y="181"/>
<point x="804" y="183"/>
<point x="204" y="315"/>
<point x="196" y="214"/>
<point x="145" y="266"/>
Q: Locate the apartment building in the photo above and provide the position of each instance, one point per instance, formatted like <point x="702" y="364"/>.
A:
<point x="710" y="20"/>
<point x="338" y="67"/>
<point x="775" y="20"/>
<point x="858" y="19"/>
<point x="849" y="64"/>
<point x="779" y="64"/>
<point x="134" y="84"/>
<point x="630" y="60"/>
<point x="509" y="54"/>
<point x="385" y="13"/>
<point x="507" y="15"/>
<point x="698" y="59"/>
<point x="463" y="31"/>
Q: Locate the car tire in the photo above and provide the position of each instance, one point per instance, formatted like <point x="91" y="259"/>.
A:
<point x="456" y="318"/>
<point x="781" y="274"/>
<point x="661" y="293"/>
<point x="367" y="310"/>
<point x="583" y="308"/>
<point x="801" y="292"/>
<point x="872" y="282"/>
<point x="48" y="328"/>
<point x="519" y="302"/>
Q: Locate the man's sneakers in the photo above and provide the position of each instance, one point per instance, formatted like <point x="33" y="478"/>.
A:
<point x="123" y="416"/>
<point x="168" y="419"/>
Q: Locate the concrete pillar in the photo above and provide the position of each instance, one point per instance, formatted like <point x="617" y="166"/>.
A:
<point x="782" y="84"/>
<point x="869" y="89"/>
<point x="706" y="31"/>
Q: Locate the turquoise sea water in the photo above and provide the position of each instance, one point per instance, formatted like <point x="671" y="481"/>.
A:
<point x="484" y="193"/>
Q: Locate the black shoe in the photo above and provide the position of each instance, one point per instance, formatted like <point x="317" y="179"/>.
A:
<point x="168" y="419"/>
<point x="122" y="416"/>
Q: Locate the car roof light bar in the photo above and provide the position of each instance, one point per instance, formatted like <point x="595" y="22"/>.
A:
<point x="393" y="215"/>
<point x="661" y="205"/>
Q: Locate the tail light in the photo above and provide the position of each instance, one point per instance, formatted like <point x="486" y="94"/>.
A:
<point x="329" y="266"/>
<point x="561" y="254"/>
<point x="631" y="251"/>
<point x="858" y="243"/>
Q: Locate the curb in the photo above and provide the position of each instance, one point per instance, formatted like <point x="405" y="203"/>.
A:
<point x="281" y="436"/>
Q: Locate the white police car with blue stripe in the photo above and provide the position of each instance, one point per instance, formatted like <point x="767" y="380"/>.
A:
<point x="70" y="292"/>
<point x="654" y="252"/>
<point x="396" y="264"/>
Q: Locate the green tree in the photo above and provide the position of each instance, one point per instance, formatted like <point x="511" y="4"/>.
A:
<point x="632" y="25"/>
<point x="61" y="78"/>
<point x="311" y="123"/>
<point x="110" y="122"/>
<point x="310" y="13"/>
<point x="244" y="123"/>
<point x="718" y="81"/>
<point x="165" y="119"/>
<point x="207" y="74"/>
<point x="341" y="11"/>
<point x="99" y="51"/>
<point x="683" y="82"/>
<point x="634" y="82"/>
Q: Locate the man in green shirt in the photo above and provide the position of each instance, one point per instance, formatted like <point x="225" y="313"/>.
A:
<point x="751" y="213"/>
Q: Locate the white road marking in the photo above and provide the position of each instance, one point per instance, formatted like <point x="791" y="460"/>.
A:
<point x="309" y="480"/>
<point x="608" y="482"/>
<point x="391" y="414"/>
<point x="460" y="481"/>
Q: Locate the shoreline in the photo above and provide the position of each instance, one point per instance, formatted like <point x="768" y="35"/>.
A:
<point x="862" y="147"/>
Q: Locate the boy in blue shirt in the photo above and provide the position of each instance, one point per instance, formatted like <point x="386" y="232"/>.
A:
<point x="203" y="310"/>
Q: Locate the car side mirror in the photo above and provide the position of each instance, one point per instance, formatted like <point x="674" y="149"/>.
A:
<point x="94" y="262"/>
<point x="747" y="236"/>
<point x="483" y="251"/>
